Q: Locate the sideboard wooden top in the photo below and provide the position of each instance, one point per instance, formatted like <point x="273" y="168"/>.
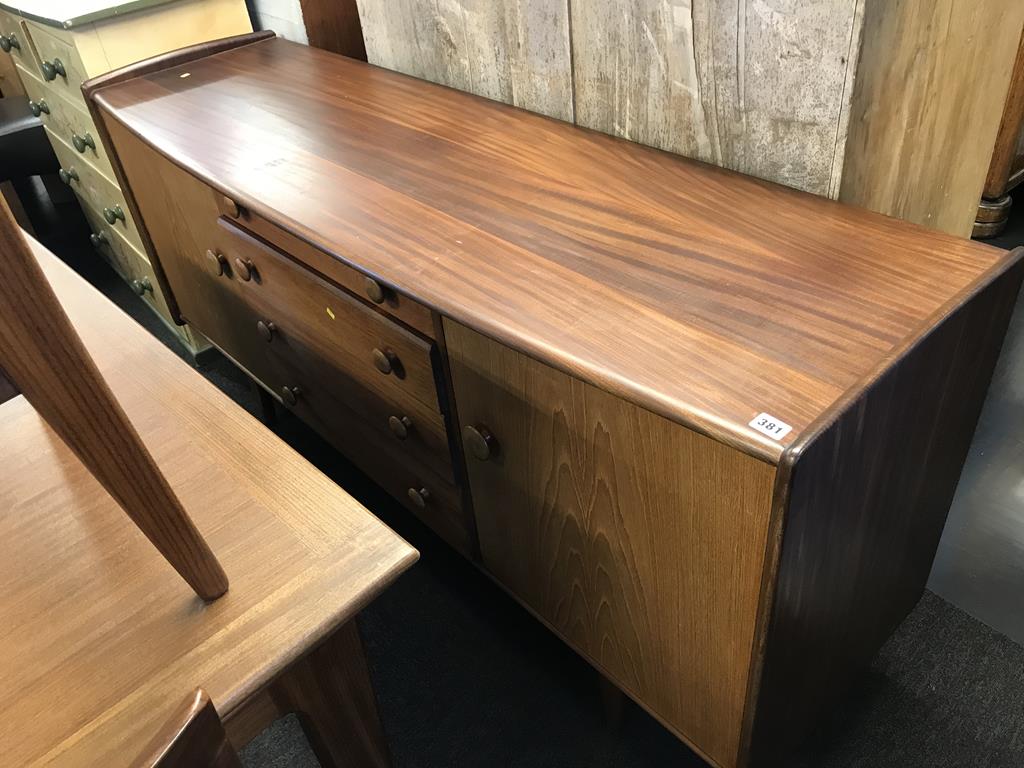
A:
<point x="707" y="296"/>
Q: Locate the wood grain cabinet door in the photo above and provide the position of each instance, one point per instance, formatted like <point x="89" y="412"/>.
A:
<point x="639" y="541"/>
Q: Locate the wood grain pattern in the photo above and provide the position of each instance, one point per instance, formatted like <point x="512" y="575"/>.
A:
<point x="331" y="692"/>
<point x="194" y="737"/>
<point x="760" y="88"/>
<point x="603" y="258"/>
<point x="334" y="26"/>
<point x="868" y="498"/>
<point x="516" y="51"/>
<point x="1008" y="157"/>
<point x="42" y="353"/>
<point x="304" y="558"/>
<point x="581" y="514"/>
<point x="917" y="97"/>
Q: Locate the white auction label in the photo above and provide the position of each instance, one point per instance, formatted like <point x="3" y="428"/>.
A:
<point x="767" y="424"/>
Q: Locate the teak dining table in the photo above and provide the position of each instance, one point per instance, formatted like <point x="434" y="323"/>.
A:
<point x="100" y="638"/>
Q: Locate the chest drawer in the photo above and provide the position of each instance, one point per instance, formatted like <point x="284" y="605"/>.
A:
<point x="70" y="123"/>
<point x="15" y="40"/>
<point x="337" y="360"/>
<point x="60" y="66"/>
<point x="322" y="322"/>
<point x="131" y="264"/>
<point x="97" y="190"/>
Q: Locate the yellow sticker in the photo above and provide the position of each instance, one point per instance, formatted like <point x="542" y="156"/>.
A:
<point x="330" y="314"/>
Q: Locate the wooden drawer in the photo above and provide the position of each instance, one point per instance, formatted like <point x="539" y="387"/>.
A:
<point x="71" y="124"/>
<point x="442" y="512"/>
<point x="412" y="313"/>
<point x="13" y="27"/>
<point x="54" y="50"/>
<point x="99" y="191"/>
<point x="324" y="344"/>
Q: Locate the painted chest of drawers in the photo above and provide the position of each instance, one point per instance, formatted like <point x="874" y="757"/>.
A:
<point x="713" y="453"/>
<point x="55" y="47"/>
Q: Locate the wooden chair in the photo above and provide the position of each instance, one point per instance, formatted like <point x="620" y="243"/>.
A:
<point x="43" y="356"/>
<point x="193" y="738"/>
<point x="130" y="428"/>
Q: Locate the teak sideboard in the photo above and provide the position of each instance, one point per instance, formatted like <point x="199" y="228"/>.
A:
<point x="714" y="453"/>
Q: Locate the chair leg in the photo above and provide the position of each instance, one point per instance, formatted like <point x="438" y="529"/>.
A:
<point x="330" y="691"/>
<point x="10" y="194"/>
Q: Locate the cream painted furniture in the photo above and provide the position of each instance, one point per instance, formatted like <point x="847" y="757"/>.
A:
<point x="55" y="45"/>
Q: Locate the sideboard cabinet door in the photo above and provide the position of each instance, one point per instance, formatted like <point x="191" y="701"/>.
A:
<point x="639" y="541"/>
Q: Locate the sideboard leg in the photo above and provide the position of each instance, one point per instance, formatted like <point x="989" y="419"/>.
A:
<point x="992" y="217"/>
<point x="613" y="701"/>
<point x="330" y="691"/>
<point x="268" y="406"/>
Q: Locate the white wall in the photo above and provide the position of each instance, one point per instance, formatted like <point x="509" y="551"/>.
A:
<point x="283" y="17"/>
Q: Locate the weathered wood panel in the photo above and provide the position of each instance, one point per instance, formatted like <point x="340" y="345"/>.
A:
<point x="516" y="51"/>
<point x="760" y="86"/>
<point x="927" y="105"/>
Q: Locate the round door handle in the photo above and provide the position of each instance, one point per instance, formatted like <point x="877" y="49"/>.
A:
<point x="98" y="238"/>
<point x="39" y="107"/>
<point x="143" y="286"/>
<point x="290" y="395"/>
<point x="112" y="215"/>
<point x="218" y="264"/>
<point x="53" y="68"/>
<point x="245" y="268"/>
<point x="419" y="497"/>
<point x="400" y="426"/>
<point x="479" y="442"/>
<point x="266" y="330"/>
<point x="83" y="142"/>
<point x="68" y="175"/>
<point x="375" y="291"/>
<point x="387" y="362"/>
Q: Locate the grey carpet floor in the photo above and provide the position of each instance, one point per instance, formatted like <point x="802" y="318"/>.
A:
<point x="465" y="677"/>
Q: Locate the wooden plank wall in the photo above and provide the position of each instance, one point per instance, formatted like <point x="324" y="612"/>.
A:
<point x="891" y="105"/>
<point x="927" y="105"/>
<point x="760" y="86"/>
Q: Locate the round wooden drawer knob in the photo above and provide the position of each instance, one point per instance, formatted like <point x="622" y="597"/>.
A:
<point x="143" y="286"/>
<point x="479" y="442"/>
<point x="229" y="207"/>
<point x="375" y="291"/>
<point x="114" y="214"/>
<point x="266" y="329"/>
<point x="68" y="175"/>
<point x="386" y="361"/>
<point x="245" y="268"/>
<point x="419" y="497"/>
<point x="290" y="395"/>
<point x="98" y="238"/>
<point x="400" y="426"/>
<point x="218" y="264"/>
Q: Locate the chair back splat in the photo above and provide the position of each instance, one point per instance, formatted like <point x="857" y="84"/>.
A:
<point x="44" y="358"/>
